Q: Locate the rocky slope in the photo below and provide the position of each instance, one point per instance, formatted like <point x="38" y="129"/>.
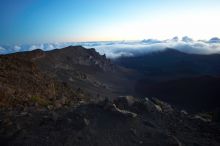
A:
<point x="86" y="69"/>
<point x="23" y="83"/>
<point x="62" y="76"/>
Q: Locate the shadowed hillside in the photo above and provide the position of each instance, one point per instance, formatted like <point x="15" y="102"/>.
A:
<point x="187" y="80"/>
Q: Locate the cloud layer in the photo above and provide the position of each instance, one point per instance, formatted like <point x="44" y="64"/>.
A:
<point x="114" y="49"/>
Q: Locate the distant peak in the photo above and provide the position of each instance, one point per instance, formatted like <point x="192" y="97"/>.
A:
<point x="171" y="51"/>
<point x="176" y="39"/>
<point x="74" y="47"/>
<point x="214" y="40"/>
<point x="187" y="39"/>
<point x="37" y="50"/>
<point x="151" y="41"/>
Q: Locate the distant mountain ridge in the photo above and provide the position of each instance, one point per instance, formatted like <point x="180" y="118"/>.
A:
<point x="171" y="62"/>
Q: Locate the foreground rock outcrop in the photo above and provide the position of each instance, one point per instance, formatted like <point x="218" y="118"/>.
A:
<point x="108" y="123"/>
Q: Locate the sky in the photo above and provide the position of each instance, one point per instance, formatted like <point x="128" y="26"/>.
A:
<point x="36" y="21"/>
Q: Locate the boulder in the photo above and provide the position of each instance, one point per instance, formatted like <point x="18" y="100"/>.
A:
<point x="86" y="121"/>
<point x="123" y="112"/>
<point x="183" y="112"/>
<point x="124" y="102"/>
<point x="158" y="108"/>
<point x="201" y="118"/>
<point x="160" y="105"/>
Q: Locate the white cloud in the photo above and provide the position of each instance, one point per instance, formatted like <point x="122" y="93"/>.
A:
<point x="114" y="49"/>
<point x="33" y="47"/>
<point x="17" y="48"/>
<point x="186" y="45"/>
<point x="1" y="48"/>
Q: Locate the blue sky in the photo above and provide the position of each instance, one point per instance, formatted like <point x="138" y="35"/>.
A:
<point x="31" y="21"/>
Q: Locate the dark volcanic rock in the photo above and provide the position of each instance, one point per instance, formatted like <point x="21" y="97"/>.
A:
<point x="93" y="124"/>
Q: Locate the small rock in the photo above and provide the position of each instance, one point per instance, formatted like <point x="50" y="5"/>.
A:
<point x="125" y="101"/>
<point x="123" y="112"/>
<point x="183" y="112"/>
<point x="23" y="113"/>
<point x="7" y="122"/>
<point x="58" y="104"/>
<point x="146" y="99"/>
<point x="55" y="116"/>
<point x="165" y="107"/>
<point x="86" y="121"/>
<point x="50" y="107"/>
<point x="134" y="132"/>
<point x="63" y="100"/>
<point x="178" y="143"/>
<point x="140" y="142"/>
<point x="158" y="108"/>
<point x="69" y="120"/>
<point x="18" y="126"/>
<point x="201" y="118"/>
<point x="149" y="124"/>
<point x="45" y="117"/>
